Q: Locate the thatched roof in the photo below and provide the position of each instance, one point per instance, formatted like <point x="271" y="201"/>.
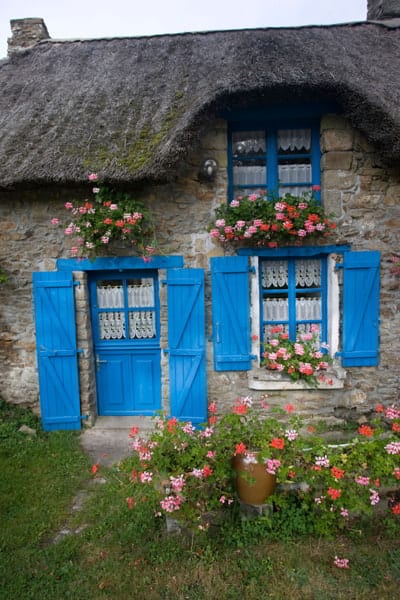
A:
<point x="129" y="108"/>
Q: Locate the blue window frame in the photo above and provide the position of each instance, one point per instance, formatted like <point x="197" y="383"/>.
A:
<point x="280" y="158"/>
<point x="125" y="308"/>
<point x="293" y="294"/>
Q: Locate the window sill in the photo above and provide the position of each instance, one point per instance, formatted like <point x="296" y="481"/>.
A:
<point x="261" y="379"/>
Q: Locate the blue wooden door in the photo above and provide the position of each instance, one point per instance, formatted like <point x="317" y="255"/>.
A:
<point x="54" y="305"/>
<point x="186" y="337"/>
<point x="125" y="317"/>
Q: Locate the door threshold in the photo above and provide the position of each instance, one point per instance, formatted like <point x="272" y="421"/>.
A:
<point x="125" y="423"/>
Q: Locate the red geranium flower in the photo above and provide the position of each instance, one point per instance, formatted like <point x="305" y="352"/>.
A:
<point x="337" y="473"/>
<point x="396" y="509"/>
<point x="366" y="430"/>
<point x="278" y="443"/>
<point x="240" y="448"/>
<point x="334" y="493"/>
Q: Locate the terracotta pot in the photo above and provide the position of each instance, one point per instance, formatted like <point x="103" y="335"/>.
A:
<point x="253" y="483"/>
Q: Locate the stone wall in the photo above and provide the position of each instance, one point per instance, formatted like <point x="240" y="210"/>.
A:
<point x="357" y="187"/>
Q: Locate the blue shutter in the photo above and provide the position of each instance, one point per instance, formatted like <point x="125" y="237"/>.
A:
<point x="231" y="316"/>
<point x="360" y="309"/>
<point x="56" y="350"/>
<point x="186" y="338"/>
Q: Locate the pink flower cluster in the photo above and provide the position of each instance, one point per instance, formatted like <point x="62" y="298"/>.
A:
<point x="273" y="465"/>
<point x="342" y="563"/>
<point x="171" y="503"/>
<point x="393" y="448"/>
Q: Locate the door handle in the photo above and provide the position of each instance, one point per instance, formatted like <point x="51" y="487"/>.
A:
<point x="99" y="362"/>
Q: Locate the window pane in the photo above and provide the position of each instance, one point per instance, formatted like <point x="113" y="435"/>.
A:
<point x="247" y="143"/>
<point x="314" y="328"/>
<point x="249" y="173"/>
<point x="140" y="292"/>
<point x="294" y="140"/>
<point x="112" y="325"/>
<point x="294" y="190"/>
<point x="274" y="274"/>
<point x="276" y="309"/>
<point x="142" y="325"/>
<point x="269" y="333"/>
<point x="308" y="307"/>
<point x="298" y="171"/>
<point x="308" y="273"/>
<point x="110" y="294"/>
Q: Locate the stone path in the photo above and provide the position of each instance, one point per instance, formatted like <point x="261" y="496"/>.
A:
<point x="108" y="441"/>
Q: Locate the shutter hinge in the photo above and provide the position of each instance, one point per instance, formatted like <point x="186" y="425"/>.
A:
<point x="338" y="266"/>
<point x="252" y="269"/>
<point x="253" y="357"/>
<point x="339" y="354"/>
<point x="77" y="284"/>
<point x="165" y="350"/>
<point x="163" y="282"/>
<point x="80" y="351"/>
<point x="84" y="417"/>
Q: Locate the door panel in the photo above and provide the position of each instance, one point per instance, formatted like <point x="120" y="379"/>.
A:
<point x="125" y="316"/>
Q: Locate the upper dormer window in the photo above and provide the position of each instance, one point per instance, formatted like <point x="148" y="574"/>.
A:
<point x="278" y="158"/>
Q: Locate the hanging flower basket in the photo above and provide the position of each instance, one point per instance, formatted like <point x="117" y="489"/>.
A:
<point x="266" y="221"/>
<point x="108" y="217"/>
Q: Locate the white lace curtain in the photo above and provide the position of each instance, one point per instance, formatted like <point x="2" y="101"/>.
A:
<point x="275" y="276"/>
<point x="294" y="140"/>
<point x="139" y="295"/>
<point x="307" y="309"/>
<point x="275" y="273"/>
<point x="141" y="323"/>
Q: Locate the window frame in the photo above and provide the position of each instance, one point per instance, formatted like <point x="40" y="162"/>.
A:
<point x="292" y="291"/>
<point x="124" y="276"/>
<point x="270" y="125"/>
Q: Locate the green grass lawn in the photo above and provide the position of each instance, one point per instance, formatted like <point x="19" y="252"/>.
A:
<point x="121" y="553"/>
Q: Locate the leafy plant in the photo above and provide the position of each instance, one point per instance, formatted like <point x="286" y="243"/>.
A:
<point x="323" y="487"/>
<point x="269" y="221"/>
<point x="109" y="216"/>
<point x="304" y="359"/>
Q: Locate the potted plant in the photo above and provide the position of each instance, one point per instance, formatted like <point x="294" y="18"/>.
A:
<point x="190" y="471"/>
<point x="109" y="216"/>
<point x="261" y="220"/>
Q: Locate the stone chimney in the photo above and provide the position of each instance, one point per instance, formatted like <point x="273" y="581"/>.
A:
<point x="382" y="10"/>
<point x="25" y="34"/>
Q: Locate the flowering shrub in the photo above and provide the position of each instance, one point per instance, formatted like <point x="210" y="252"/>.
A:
<point x="267" y="221"/>
<point x="305" y="359"/>
<point x="191" y="470"/>
<point x="108" y="216"/>
<point x="191" y="475"/>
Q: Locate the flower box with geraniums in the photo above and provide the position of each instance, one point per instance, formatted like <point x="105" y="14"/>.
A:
<point x="302" y="360"/>
<point x="108" y="217"/>
<point x="266" y="221"/>
<point x="189" y="471"/>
